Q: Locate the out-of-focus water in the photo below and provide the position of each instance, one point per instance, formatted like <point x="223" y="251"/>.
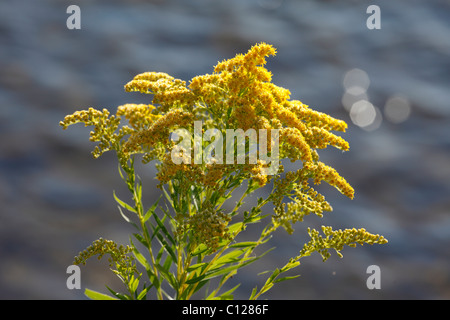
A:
<point x="391" y="85"/>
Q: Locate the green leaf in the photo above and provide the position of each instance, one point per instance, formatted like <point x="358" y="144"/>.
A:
<point x="140" y="257"/>
<point x="134" y="283"/>
<point x="229" y="257"/>
<point x="285" y="278"/>
<point x="119" y="295"/>
<point x="244" y="244"/>
<point x="138" y="191"/>
<point x="266" y="288"/>
<point x="94" y="295"/>
<point x="255" y="218"/>
<point x="196" y="279"/>
<point x="164" y="229"/>
<point x="123" y="215"/>
<point x="151" y="210"/>
<point x="235" y="227"/>
<point x="224" y="296"/>
<point x="274" y="274"/>
<point x="168" y="197"/>
<point x="215" y="272"/>
<point x="168" y="276"/>
<point x="168" y="263"/>
<point x="218" y="198"/>
<point x="160" y="254"/>
<point x="254" y="291"/>
<point x="273" y="277"/>
<point x="199" y="286"/>
<point x="141" y="239"/>
<point x="201" y="248"/>
<point x="143" y="294"/>
<point x="290" y="265"/>
<point x="196" y="266"/>
<point x="153" y="279"/>
<point x="252" y="186"/>
<point x="166" y="246"/>
<point x="123" y="204"/>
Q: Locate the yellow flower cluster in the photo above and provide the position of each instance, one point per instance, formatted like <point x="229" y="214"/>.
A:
<point x="257" y="173"/>
<point x="294" y="138"/>
<point x="249" y="100"/>
<point x="187" y="174"/>
<point x="167" y="90"/>
<point x="315" y="118"/>
<point x="337" y="239"/>
<point x="158" y="131"/>
<point x="139" y="116"/>
<point x="322" y="172"/>
<point x="105" y="127"/>
<point x="304" y="201"/>
<point x="213" y="173"/>
<point x="239" y="94"/>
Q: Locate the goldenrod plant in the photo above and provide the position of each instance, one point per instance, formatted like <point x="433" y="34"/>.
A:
<point x="191" y="234"/>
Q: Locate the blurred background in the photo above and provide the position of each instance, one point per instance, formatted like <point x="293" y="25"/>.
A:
<point x="391" y="85"/>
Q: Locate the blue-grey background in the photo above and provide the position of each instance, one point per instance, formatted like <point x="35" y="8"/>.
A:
<point x="55" y="199"/>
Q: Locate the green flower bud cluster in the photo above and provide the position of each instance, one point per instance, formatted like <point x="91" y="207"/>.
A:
<point x="207" y="226"/>
<point x="120" y="262"/>
<point x="337" y="239"/>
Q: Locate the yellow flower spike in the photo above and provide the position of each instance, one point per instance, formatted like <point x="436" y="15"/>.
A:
<point x="197" y="83"/>
<point x="230" y="64"/>
<point x="153" y="76"/>
<point x="289" y="119"/>
<point x="280" y="94"/>
<point x="257" y="54"/>
<point x="262" y="74"/>
<point x="168" y="98"/>
<point x="139" y="116"/>
<point x="315" y="118"/>
<point x="330" y="175"/>
<point x="158" y="131"/>
<point x="294" y="137"/>
<point x="244" y="116"/>
<point x="158" y="83"/>
<point x="321" y="138"/>
<point x="143" y="86"/>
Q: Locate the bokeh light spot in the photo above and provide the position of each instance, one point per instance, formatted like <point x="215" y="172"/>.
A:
<point x="349" y="99"/>
<point x="363" y="113"/>
<point x="397" y="109"/>
<point x="356" y="81"/>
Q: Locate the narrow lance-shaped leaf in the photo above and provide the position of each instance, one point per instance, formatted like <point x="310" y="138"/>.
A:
<point x="123" y="204"/>
<point x="94" y="295"/>
<point x="151" y="210"/>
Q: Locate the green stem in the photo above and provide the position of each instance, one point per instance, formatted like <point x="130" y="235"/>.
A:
<point x="150" y="251"/>
<point x="182" y="271"/>
<point x="140" y="212"/>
